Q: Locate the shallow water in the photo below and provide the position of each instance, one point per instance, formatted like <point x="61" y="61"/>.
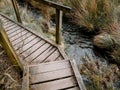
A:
<point x="78" y="45"/>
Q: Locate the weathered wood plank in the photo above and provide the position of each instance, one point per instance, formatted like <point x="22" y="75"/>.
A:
<point x="53" y="56"/>
<point x="18" y="36"/>
<point x="16" y="33"/>
<point x="55" y="85"/>
<point x="28" y="45"/>
<point x="42" y="57"/>
<point x="53" y="75"/>
<point x="38" y="52"/>
<point x="3" y="19"/>
<point x="8" y="28"/>
<point x="8" y="24"/>
<point x="59" y="58"/>
<point x="13" y="30"/>
<point x="50" y="66"/>
<point x="33" y="49"/>
<point x="25" y="39"/>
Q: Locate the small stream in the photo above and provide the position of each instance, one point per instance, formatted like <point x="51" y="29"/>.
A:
<point x="78" y="45"/>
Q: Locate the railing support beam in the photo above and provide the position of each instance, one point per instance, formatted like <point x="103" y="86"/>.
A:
<point x="4" y="41"/>
<point x="16" y="11"/>
<point x="58" y="26"/>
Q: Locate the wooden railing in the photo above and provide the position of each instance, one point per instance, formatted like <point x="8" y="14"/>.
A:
<point x="59" y="9"/>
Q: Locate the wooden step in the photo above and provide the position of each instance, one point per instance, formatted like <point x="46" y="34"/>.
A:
<point x="56" y="75"/>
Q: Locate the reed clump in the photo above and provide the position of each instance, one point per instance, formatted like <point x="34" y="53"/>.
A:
<point x="98" y="75"/>
<point x="100" y="17"/>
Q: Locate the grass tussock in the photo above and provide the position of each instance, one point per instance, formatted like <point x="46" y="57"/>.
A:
<point x="99" y="76"/>
<point x="93" y="14"/>
<point x="101" y="17"/>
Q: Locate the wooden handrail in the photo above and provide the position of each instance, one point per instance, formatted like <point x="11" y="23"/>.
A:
<point x="59" y="8"/>
<point x="55" y="5"/>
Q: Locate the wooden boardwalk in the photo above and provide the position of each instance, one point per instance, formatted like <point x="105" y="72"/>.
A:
<point x="46" y="66"/>
<point x="29" y="46"/>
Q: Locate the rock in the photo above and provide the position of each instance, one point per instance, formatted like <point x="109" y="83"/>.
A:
<point x="103" y="41"/>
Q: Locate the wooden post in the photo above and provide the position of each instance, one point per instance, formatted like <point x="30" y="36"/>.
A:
<point x="25" y="82"/>
<point x="58" y="26"/>
<point x="4" y="41"/>
<point x="16" y="11"/>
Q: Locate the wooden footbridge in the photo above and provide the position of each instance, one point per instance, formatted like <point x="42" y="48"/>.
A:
<point x="44" y="64"/>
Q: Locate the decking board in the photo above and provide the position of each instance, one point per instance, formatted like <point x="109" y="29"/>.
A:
<point x="26" y="39"/>
<point x="53" y="75"/>
<point x="55" y="85"/>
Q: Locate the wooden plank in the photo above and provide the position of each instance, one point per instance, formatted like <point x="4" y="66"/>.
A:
<point x="55" y="85"/>
<point x="25" y="39"/>
<point x="53" y="56"/>
<point x="74" y="88"/>
<point x="59" y="58"/>
<point x="51" y="66"/>
<point x="18" y="36"/>
<point x="38" y="52"/>
<point x="13" y="30"/>
<point x="8" y="24"/>
<point x="54" y="5"/>
<point x="10" y="27"/>
<point x="28" y="45"/>
<point x="53" y="75"/>
<point x="4" y="20"/>
<point x="77" y="75"/>
<point x="42" y="57"/>
<point x="15" y="33"/>
<point x="33" y="49"/>
<point x="22" y="43"/>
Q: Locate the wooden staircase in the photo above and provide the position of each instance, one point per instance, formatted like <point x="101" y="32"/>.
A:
<point x="45" y="65"/>
<point x="57" y="75"/>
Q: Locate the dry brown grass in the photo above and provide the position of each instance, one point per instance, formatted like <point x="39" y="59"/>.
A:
<point x="100" y="75"/>
<point x="93" y="14"/>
